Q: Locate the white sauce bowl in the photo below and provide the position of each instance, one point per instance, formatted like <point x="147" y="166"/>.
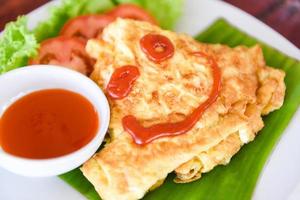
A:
<point x="19" y="82"/>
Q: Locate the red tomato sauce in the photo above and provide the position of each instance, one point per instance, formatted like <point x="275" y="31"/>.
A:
<point x="144" y="135"/>
<point x="47" y="124"/>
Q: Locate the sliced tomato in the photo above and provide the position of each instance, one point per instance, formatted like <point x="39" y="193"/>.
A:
<point x="64" y="51"/>
<point x="86" y="26"/>
<point x="90" y="26"/>
<point x="132" y="12"/>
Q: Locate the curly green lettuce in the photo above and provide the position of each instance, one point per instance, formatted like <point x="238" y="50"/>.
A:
<point x="17" y="45"/>
<point x="165" y="11"/>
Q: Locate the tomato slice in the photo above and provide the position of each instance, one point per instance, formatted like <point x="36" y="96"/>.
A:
<point x="86" y="26"/>
<point x="90" y="26"/>
<point x="132" y="12"/>
<point x="64" y="51"/>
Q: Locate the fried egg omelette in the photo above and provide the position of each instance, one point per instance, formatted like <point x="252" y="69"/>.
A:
<point x="169" y="91"/>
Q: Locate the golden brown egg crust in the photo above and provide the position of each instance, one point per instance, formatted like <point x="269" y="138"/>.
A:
<point x="168" y="92"/>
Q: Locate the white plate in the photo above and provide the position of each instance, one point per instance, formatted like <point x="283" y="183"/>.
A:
<point x="281" y="175"/>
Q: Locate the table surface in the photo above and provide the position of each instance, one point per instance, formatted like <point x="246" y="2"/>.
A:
<point x="281" y="15"/>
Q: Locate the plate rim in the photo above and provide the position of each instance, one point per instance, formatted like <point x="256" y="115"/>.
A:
<point x="294" y="52"/>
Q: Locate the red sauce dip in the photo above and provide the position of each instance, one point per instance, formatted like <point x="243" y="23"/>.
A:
<point x="47" y="124"/>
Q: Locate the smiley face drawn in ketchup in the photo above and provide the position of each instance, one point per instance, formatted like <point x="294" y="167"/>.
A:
<point x="121" y="81"/>
<point x="157" y="47"/>
<point x="144" y="135"/>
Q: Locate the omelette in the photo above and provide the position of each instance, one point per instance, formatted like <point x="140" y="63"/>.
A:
<point x="168" y="92"/>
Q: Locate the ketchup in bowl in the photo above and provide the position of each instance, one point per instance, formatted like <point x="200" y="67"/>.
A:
<point x="48" y="123"/>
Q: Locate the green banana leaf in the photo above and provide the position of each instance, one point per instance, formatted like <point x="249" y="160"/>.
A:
<point x="237" y="180"/>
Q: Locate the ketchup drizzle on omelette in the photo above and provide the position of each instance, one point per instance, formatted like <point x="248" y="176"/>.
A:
<point x="121" y="81"/>
<point x="48" y="123"/>
<point x="157" y="47"/>
<point x="144" y="135"/>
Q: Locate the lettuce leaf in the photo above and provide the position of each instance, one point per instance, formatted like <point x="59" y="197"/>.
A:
<point x="17" y="45"/>
<point x="66" y="10"/>
<point x="165" y="11"/>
